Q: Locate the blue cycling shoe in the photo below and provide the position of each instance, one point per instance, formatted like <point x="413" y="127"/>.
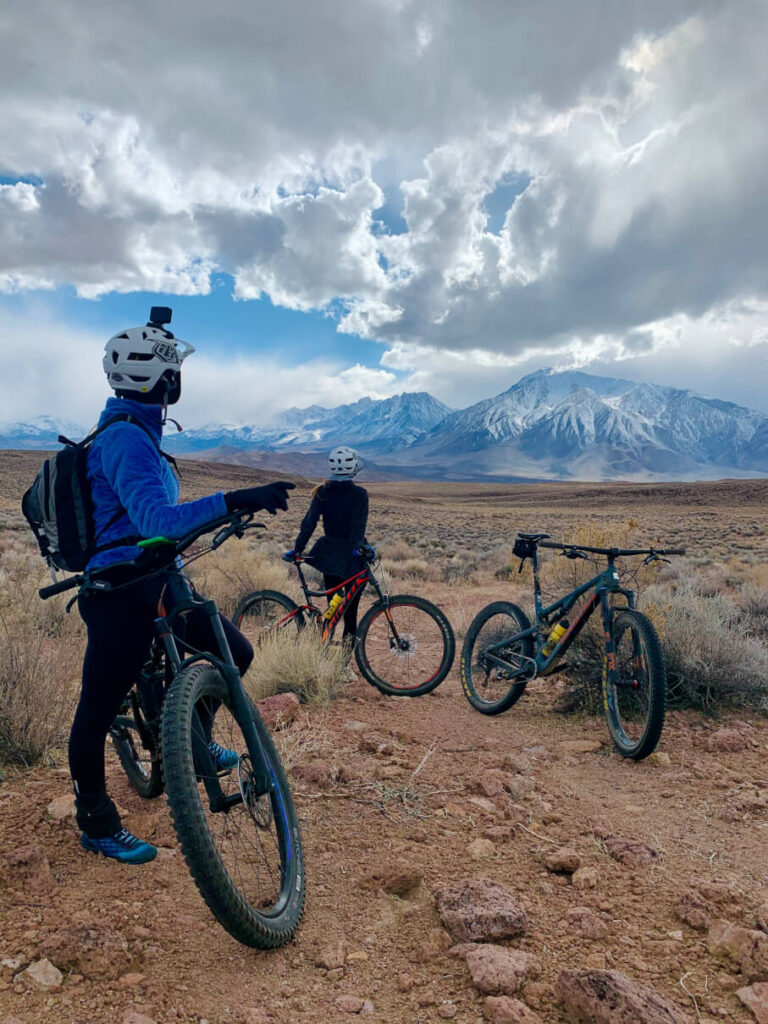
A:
<point x="224" y="759"/>
<point x="123" y="846"/>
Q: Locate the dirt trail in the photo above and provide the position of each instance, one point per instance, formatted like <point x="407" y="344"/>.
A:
<point x="140" y="939"/>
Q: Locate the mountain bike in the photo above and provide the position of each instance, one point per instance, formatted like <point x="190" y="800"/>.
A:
<point x="404" y="645"/>
<point x="503" y="651"/>
<point x="238" y="827"/>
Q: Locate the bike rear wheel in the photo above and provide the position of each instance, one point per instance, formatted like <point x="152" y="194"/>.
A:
<point x="635" y="697"/>
<point x="247" y="860"/>
<point x="266" y="613"/>
<point x="136" y="747"/>
<point x="492" y="688"/>
<point x="416" y="662"/>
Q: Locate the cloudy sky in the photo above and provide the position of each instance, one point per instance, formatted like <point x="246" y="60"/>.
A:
<point x="369" y="196"/>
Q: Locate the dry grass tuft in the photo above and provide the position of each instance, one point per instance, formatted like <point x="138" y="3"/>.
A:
<point x="238" y="569"/>
<point x="298" y="663"/>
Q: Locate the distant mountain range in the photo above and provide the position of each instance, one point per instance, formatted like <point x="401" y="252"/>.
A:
<point x="549" y="425"/>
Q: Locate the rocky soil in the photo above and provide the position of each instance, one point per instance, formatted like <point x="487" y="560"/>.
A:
<point x="512" y="870"/>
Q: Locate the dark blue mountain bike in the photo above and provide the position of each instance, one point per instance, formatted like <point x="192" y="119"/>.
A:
<point x="503" y="651"/>
<point x="238" y="828"/>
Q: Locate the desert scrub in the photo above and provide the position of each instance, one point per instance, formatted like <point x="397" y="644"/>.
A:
<point x="713" y="657"/>
<point x="41" y="652"/>
<point x="237" y="569"/>
<point x="290" y="662"/>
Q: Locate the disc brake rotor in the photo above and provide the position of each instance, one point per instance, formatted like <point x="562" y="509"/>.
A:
<point x="400" y="651"/>
<point x="259" y="807"/>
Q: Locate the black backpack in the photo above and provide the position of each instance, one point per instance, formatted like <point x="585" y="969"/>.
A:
<point x="59" y="508"/>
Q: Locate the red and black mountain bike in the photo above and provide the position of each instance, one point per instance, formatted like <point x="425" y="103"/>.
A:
<point x="404" y="645"/>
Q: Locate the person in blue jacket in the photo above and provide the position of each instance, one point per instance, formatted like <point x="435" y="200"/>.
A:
<point x="135" y="495"/>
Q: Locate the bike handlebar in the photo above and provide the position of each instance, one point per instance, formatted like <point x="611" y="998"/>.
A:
<point x="612" y="552"/>
<point x="168" y="550"/>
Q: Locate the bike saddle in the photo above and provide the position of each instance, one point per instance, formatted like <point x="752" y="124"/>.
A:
<point x="535" y="537"/>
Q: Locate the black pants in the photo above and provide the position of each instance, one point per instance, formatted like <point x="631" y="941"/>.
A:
<point x="350" y="614"/>
<point x="120" y="628"/>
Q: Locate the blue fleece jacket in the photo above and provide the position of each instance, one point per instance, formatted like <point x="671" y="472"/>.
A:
<point x="126" y="471"/>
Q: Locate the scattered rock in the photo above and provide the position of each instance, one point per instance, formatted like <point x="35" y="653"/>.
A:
<point x="580" y="746"/>
<point x="350" y="1004"/>
<point x="480" y="848"/>
<point x="278" y="710"/>
<point x="355" y="726"/>
<point x="503" y="1010"/>
<point x="563" y="861"/>
<point x="41" y="975"/>
<point x="585" y="878"/>
<point x="484" y="804"/>
<point x="610" y="997"/>
<point x="586" y="923"/>
<point x="694" y="910"/>
<point x="630" y="852"/>
<point x="398" y="879"/>
<point x="762" y="917"/>
<point x="490" y="783"/>
<point x="405" y="982"/>
<point x="477" y="909"/>
<point x="332" y="956"/>
<point x="658" y="759"/>
<point x="93" y="951"/>
<point x="437" y="942"/>
<point x="62" y="807"/>
<point x="755" y="998"/>
<point x="520" y="786"/>
<point x="316" y="773"/>
<point x="132" y="1017"/>
<point x="447" y="1009"/>
<point x="375" y="743"/>
<point x="744" y="946"/>
<point x="27" y="868"/>
<point x="130" y="980"/>
<point x="255" y="1015"/>
<point x="727" y="741"/>
<point x="497" y="970"/>
<point x="358" y="956"/>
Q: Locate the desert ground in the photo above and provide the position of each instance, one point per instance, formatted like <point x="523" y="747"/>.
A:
<point x="640" y="889"/>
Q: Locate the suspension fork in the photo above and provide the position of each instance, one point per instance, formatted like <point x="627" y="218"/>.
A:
<point x="241" y="705"/>
<point x="384" y="601"/>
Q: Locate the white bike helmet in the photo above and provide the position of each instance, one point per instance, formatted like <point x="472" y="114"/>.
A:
<point x="344" y="463"/>
<point x="136" y="359"/>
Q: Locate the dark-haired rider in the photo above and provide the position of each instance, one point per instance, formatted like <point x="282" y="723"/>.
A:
<point x="135" y="495"/>
<point x="343" y="507"/>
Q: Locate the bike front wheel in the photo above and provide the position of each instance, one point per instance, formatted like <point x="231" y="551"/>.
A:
<point x="405" y="647"/>
<point x="245" y="855"/>
<point x="635" y="694"/>
<point x="493" y="686"/>
<point x="266" y="613"/>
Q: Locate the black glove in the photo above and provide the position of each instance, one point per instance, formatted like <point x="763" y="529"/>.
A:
<point x="268" y="498"/>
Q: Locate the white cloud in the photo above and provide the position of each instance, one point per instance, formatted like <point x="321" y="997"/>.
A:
<point x="256" y="139"/>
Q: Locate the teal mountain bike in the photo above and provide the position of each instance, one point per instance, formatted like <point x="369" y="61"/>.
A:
<point x="503" y="650"/>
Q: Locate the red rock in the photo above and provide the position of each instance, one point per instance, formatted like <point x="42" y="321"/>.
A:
<point x="447" y="1010"/>
<point x="27" y="868"/>
<point x="332" y="956"/>
<point x="480" y="849"/>
<point x="350" y="1004"/>
<point x="478" y="909"/>
<point x="95" y="952"/>
<point x="405" y="982"/>
<point x="563" y="861"/>
<point x="437" y="943"/>
<point x="278" y="710"/>
<point x="41" y="975"/>
<point x="744" y="946"/>
<point x="727" y="741"/>
<point x="584" y="878"/>
<point x="62" y="808"/>
<point x="755" y="998"/>
<point x="631" y="852"/>
<point x="610" y="997"/>
<point x="497" y="970"/>
<point x="586" y="923"/>
<point x="489" y="784"/>
<point x="316" y="773"/>
<point x="503" y="1010"/>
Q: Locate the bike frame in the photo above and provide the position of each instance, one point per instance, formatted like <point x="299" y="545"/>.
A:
<point x="353" y="587"/>
<point x="605" y="584"/>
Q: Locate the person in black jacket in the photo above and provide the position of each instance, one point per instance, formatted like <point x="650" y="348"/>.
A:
<point x="343" y="507"/>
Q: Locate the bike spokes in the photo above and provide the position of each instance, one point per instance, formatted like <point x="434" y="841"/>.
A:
<point x="497" y="661"/>
<point x="405" y="646"/>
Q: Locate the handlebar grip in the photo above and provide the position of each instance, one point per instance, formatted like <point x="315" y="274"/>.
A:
<point x="59" y="588"/>
<point x="673" y="551"/>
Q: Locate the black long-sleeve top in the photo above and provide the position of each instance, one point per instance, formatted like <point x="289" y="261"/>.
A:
<point x="343" y="507"/>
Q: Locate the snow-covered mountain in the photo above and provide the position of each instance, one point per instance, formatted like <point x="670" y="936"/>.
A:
<point x="372" y="425"/>
<point x="548" y="425"/>
<point x="573" y="424"/>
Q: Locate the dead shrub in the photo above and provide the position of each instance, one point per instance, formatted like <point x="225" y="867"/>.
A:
<point x="235" y="570"/>
<point x="288" y="662"/>
<point x="40" y="658"/>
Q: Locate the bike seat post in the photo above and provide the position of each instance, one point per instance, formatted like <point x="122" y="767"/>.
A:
<point x="536" y="583"/>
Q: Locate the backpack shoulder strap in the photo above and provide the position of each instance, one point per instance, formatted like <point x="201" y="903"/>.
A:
<point x="123" y="417"/>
